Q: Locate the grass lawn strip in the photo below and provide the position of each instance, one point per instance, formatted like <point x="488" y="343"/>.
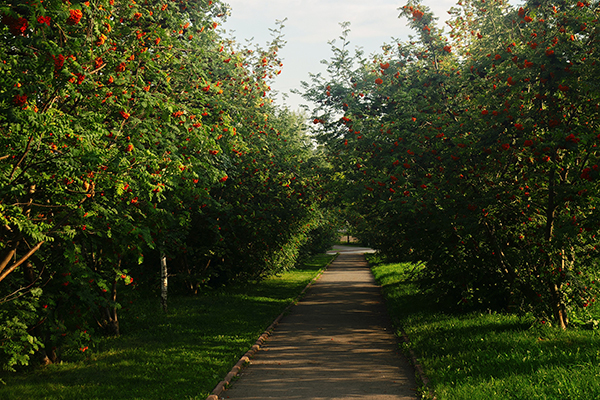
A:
<point x="491" y="355"/>
<point x="180" y="355"/>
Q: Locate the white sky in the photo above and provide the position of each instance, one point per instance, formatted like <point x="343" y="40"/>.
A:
<point x="312" y="23"/>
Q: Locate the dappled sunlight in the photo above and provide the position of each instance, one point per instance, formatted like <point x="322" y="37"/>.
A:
<point x="337" y="342"/>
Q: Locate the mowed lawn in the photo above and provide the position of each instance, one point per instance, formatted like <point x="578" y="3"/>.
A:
<point x="491" y="355"/>
<point x="179" y="355"/>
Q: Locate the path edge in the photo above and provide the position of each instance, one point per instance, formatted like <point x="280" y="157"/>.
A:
<point x="218" y="390"/>
<point x="419" y="371"/>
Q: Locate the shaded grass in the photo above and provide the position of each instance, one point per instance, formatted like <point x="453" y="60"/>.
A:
<point x="491" y="355"/>
<point x="181" y="355"/>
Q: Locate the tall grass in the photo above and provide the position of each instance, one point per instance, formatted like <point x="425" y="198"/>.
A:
<point x="180" y="355"/>
<point x="491" y="355"/>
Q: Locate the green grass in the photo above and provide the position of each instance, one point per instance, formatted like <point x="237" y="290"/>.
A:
<point x="491" y="355"/>
<point x="181" y="355"/>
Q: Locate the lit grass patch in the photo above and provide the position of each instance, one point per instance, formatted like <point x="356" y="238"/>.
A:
<point x="491" y="355"/>
<point x="180" y="355"/>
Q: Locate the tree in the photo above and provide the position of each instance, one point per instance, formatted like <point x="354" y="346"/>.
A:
<point x="130" y="133"/>
<point x="476" y="152"/>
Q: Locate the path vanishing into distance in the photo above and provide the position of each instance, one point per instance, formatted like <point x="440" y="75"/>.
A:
<point x="336" y="343"/>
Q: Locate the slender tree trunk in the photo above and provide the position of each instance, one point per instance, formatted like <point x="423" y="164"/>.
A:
<point x="558" y="308"/>
<point x="112" y="320"/>
<point x="164" y="281"/>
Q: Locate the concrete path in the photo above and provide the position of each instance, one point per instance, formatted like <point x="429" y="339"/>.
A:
<point x="350" y="250"/>
<point x="336" y="343"/>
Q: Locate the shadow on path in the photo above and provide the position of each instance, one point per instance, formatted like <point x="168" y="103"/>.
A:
<point x="337" y="343"/>
<point x="350" y="250"/>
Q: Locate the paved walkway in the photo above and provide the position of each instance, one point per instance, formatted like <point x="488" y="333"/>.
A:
<point x="350" y="250"/>
<point x="336" y="343"/>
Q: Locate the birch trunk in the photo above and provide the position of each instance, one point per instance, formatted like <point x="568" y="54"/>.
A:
<point x="164" y="281"/>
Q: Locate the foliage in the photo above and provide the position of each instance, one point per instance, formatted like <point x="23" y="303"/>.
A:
<point x="476" y="151"/>
<point x="129" y="131"/>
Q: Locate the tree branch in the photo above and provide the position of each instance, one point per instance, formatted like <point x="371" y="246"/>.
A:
<point x="22" y="260"/>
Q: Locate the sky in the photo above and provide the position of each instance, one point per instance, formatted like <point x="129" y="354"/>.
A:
<point x="311" y="24"/>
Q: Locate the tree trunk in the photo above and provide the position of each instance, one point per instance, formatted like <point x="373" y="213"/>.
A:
<point x="558" y="307"/>
<point x="164" y="281"/>
<point x="111" y="320"/>
<point x="559" y="311"/>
